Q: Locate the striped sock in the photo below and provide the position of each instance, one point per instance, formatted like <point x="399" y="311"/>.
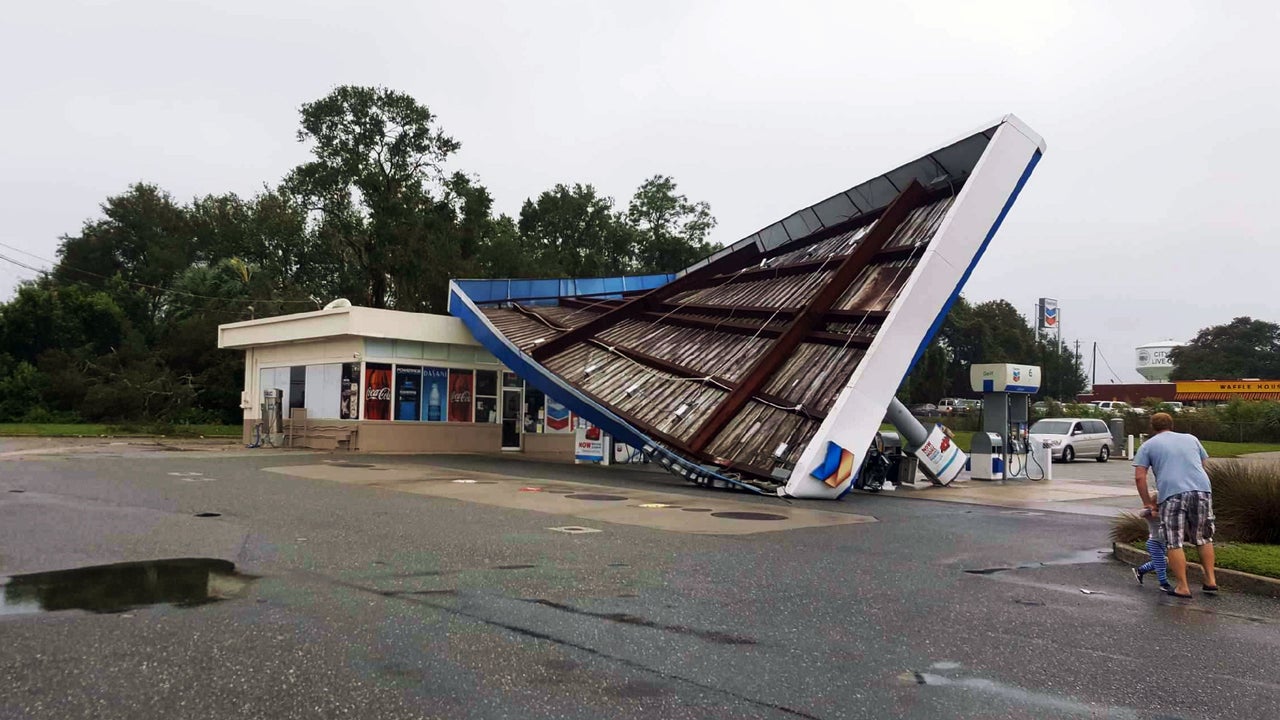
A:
<point x="1156" y="548"/>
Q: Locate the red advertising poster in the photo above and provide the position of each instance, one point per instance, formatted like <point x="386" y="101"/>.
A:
<point x="460" y="395"/>
<point x="377" y="392"/>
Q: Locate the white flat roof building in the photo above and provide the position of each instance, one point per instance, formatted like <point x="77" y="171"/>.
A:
<point x="384" y="380"/>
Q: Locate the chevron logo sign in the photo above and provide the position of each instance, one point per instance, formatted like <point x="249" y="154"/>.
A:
<point x="836" y="467"/>
<point x="1050" y="315"/>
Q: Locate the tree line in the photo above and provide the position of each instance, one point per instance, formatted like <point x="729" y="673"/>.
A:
<point x="124" y="326"/>
<point x="989" y="332"/>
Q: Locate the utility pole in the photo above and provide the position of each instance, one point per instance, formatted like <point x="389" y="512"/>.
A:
<point x="1094" y="372"/>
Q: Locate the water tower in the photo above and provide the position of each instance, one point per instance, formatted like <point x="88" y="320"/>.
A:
<point x="1153" y="360"/>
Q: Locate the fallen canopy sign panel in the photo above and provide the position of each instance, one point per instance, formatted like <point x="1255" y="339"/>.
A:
<point x="770" y="364"/>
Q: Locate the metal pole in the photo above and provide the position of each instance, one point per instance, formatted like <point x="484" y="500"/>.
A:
<point x="1095" y="365"/>
<point x="914" y="434"/>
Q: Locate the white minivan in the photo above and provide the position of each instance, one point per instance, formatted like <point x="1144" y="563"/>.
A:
<point x="1071" y="438"/>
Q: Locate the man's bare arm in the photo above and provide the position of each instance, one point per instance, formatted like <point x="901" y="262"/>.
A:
<point x="1140" y="479"/>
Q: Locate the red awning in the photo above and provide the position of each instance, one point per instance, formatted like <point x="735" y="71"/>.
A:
<point x="1225" y="396"/>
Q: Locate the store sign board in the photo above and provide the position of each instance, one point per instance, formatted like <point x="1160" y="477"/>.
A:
<point x="588" y="443"/>
<point x="1228" y="386"/>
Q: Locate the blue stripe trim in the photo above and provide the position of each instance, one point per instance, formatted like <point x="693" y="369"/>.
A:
<point x="954" y="455"/>
<point x="538" y="376"/>
<point x="942" y="315"/>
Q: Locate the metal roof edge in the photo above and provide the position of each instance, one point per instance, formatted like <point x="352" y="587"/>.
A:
<point x="1008" y="119"/>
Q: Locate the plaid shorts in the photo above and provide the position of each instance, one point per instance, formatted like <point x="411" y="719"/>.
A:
<point x="1187" y="518"/>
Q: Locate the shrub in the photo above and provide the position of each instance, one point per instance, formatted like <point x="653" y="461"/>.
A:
<point x="1246" y="500"/>
<point x="1128" y="528"/>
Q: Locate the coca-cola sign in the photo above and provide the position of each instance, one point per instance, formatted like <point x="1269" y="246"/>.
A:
<point x="461" y="384"/>
<point x="377" y="392"/>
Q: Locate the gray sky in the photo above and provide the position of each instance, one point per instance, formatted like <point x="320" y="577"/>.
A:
<point x="1151" y="216"/>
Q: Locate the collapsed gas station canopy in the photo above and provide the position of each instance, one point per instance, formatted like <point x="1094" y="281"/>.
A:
<point x="768" y="365"/>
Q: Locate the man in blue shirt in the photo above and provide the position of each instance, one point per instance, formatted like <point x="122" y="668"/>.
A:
<point x="1184" y="498"/>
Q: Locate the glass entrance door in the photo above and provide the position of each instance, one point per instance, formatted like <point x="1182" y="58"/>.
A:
<point x="511" y="404"/>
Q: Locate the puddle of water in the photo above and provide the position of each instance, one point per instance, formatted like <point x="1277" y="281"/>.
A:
<point x="738" y="515"/>
<point x="185" y="582"/>
<point x="1024" y="697"/>
<point x="1027" y="698"/>
<point x="1080" y="557"/>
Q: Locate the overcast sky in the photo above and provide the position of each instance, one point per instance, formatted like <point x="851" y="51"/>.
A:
<point x="1152" y="214"/>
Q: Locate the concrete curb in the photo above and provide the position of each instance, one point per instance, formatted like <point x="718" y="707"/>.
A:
<point x="1233" y="580"/>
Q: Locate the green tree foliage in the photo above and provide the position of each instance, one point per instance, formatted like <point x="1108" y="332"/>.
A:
<point x="1242" y="348"/>
<point x="574" y="231"/>
<point x="383" y="205"/>
<point x="125" y="325"/>
<point x="673" y="231"/>
<point x="990" y="332"/>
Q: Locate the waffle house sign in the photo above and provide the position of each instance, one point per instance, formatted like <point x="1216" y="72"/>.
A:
<point x="1229" y="390"/>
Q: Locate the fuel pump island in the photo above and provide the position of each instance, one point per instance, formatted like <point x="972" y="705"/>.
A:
<point x="1002" y="448"/>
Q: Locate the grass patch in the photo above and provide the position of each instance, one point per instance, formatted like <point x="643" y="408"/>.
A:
<point x="1233" y="450"/>
<point x="97" y="429"/>
<point x="1255" y="558"/>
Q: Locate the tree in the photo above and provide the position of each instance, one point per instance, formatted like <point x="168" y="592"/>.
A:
<point x="1242" y="348"/>
<point x="673" y="231"/>
<point x="144" y="240"/>
<point x="44" y="316"/>
<point x="574" y="232"/>
<point x="990" y="332"/>
<point x="375" y="182"/>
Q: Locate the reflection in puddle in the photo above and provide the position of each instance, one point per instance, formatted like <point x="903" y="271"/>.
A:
<point x="184" y="582"/>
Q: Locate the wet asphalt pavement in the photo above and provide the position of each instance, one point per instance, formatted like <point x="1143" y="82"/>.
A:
<point x="365" y="602"/>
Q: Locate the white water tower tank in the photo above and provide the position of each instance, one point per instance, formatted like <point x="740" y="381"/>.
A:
<point x="1153" y="360"/>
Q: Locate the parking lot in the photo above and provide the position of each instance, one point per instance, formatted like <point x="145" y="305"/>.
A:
<point x="354" y="586"/>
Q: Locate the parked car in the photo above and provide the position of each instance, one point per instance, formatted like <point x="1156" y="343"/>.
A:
<point x="949" y="406"/>
<point x="1116" y="407"/>
<point x="925" y="410"/>
<point x="958" y="406"/>
<point x="1070" y="438"/>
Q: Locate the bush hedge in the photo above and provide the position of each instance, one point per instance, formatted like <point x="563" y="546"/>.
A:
<point x="1246" y="500"/>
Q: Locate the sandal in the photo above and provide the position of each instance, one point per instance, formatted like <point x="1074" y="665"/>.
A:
<point x="1209" y="589"/>
<point x="1174" y="593"/>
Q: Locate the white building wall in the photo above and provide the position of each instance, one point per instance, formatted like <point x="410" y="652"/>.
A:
<point x="333" y="351"/>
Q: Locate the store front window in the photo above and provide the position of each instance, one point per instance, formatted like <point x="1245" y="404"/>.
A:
<point x="461" y="395"/>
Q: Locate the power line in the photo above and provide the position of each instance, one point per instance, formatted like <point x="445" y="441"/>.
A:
<point x="1114" y="376"/>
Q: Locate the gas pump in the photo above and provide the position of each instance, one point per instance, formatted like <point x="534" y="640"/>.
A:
<point x="1006" y="447"/>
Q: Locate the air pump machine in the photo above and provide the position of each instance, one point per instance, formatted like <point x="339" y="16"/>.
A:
<point x="1002" y="449"/>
